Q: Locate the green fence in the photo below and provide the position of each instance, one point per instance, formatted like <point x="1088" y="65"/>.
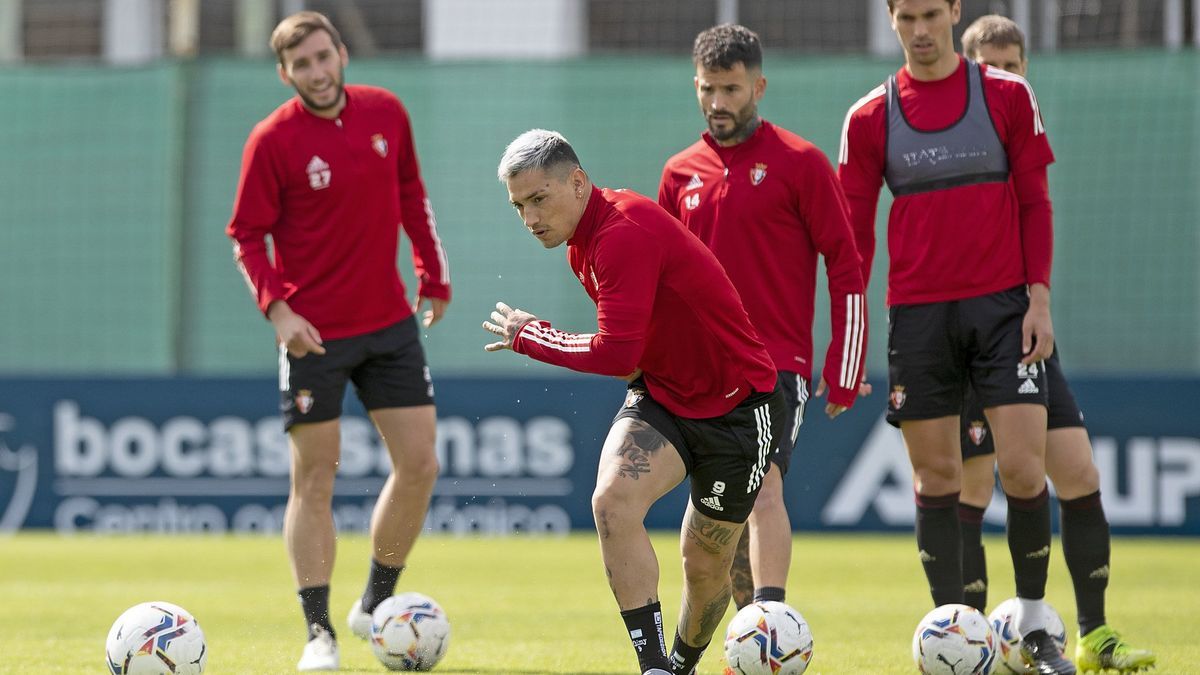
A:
<point x="116" y="185"/>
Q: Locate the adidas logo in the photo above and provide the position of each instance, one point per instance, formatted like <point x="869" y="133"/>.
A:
<point x="1028" y="387"/>
<point x="713" y="503"/>
<point x="1042" y="552"/>
<point x="925" y="556"/>
<point x="977" y="586"/>
<point x="695" y="183"/>
<point x="1099" y="573"/>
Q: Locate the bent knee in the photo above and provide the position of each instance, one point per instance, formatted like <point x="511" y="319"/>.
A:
<point x="420" y="467"/>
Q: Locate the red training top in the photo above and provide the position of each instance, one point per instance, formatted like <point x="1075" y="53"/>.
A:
<point x="663" y="304"/>
<point x="332" y="195"/>
<point x="766" y="207"/>
<point x="964" y="241"/>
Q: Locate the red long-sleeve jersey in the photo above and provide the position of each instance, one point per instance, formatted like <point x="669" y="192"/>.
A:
<point x="663" y="304"/>
<point x="332" y="195"/>
<point x="767" y="207"/>
<point x="963" y="241"/>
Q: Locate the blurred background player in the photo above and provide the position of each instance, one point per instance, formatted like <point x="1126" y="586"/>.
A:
<point x="703" y="398"/>
<point x="998" y="42"/>
<point x="767" y="202"/>
<point x="329" y="176"/>
<point x="964" y="152"/>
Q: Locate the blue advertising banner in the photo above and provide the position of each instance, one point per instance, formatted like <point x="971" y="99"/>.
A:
<point x="517" y="456"/>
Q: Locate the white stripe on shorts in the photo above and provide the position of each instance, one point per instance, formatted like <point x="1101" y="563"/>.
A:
<point x="762" y="419"/>
<point x="285" y="369"/>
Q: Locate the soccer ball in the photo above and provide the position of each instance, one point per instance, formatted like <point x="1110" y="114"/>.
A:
<point x="1003" y="620"/>
<point x="768" y="638"/>
<point x="155" y="638"/>
<point x="954" y="640"/>
<point x="409" y="632"/>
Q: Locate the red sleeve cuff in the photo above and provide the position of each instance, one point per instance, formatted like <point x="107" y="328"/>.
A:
<point x="430" y="289"/>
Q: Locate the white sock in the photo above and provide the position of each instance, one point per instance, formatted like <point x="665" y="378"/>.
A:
<point x="1031" y="615"/>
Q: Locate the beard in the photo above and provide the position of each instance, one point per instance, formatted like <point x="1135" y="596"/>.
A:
<point x="340" y="90"/>
<point x="740" y="124"/>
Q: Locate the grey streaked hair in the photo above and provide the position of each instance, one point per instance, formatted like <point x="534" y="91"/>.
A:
<point x="535" y="149"/>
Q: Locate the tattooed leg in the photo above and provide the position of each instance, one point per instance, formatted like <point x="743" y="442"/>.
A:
<point x="740" y="575"/>
<point x="708" y="549"/>
<point x="637" y="467"/>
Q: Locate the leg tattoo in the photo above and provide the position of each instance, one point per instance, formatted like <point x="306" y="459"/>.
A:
<point x="637" y="448"/>
<point x="740" y="574"/>
<point x="710" y="535"/>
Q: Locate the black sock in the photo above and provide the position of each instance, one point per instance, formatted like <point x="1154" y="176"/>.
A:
<point x="940" y="545"/>
<point x="769" y="594"/>
<point x="975" y="579"/>
<point x="1085" y="542"/>
<point x="684" y="657"/>
<point x="381" y="583"/>
<point x="315" y="603"/>
<point x="1029" y="543"/>
<point x="646" y="631"/>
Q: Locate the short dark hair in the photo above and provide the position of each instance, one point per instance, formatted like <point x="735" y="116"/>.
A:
<point x="723" y="47"/>
<point x="292" y="31"/>
<point x="892" y="5"/>
<point x="994" y="30"/>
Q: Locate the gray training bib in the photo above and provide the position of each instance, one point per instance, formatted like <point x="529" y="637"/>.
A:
<point x="967" y="152"/>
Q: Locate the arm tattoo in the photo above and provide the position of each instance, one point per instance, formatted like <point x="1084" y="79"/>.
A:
<point x="637" y="447"/>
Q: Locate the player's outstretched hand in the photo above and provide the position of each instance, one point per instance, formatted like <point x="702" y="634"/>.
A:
<point x="437" y="307"/>
<point x="294" y="331"/>
<point x="505" y="324"/>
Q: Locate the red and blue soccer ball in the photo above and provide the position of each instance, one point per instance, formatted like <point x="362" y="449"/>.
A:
<point x="155" y="638"/>
<point x="409" y="632"/>
<point x="768" y="638"/>
<point x="954" y="640"/>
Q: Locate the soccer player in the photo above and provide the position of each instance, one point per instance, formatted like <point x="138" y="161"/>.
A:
<point x="703" y="398"/>
<point x="998" y="42"/>
<point x="767" y="202"/>
<point x="330" y="176"/>
<point x="964" y="151"/>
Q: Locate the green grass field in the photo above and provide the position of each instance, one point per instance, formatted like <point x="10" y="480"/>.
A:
<point x="525" y="606"/>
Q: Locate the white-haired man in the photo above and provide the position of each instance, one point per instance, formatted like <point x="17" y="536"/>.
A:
<point x="703" y="398"/>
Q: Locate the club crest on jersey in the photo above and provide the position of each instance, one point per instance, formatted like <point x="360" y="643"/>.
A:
<point x="304" y="401"/>
<point x="319" y="173"/>
<point x="633" y="396"/>
<point x="977" y="432"/>
<point x="897" y="397"/>
<point x="758" y="173"/>
<point x="379" y="144"/>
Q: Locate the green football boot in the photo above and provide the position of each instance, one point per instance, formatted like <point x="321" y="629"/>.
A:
<point x="1103" y="649"/>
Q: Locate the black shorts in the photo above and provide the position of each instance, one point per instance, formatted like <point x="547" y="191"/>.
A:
<point x="936" y="350"/>
<point x="795" y="399"/>
<point x="1063" y="412"/>
<point x="726" y="457"/>
<point x="387" y="368"/>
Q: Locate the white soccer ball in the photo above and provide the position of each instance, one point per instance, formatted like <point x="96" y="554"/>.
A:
<point x="1003" y="620"/>
<point x="954" y="640"/>
<point x="409" y="632"/>
<point x="768" y="638"/>
<point x="155" y="638"/>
